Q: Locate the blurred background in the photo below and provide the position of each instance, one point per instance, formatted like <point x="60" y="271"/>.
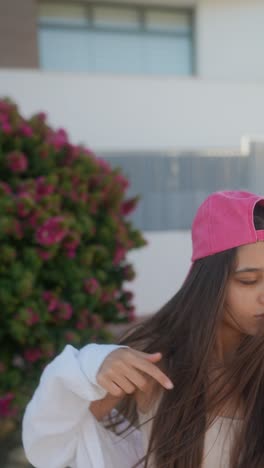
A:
<point x="171" y="91"/>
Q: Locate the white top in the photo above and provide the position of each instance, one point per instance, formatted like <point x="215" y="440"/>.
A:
<point x="59" y="431"/>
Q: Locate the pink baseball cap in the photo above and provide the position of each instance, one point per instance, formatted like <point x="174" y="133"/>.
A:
<point x="223" y="221"/>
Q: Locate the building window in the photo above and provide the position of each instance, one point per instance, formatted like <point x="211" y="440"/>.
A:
<point x="112" y="38"/>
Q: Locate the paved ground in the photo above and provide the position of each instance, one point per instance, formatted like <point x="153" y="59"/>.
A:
<point x="11" y="451"/>
<point x="16" y="459"/>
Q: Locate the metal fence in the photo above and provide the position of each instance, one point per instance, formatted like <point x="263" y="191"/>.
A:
<point x="173" y="186"/>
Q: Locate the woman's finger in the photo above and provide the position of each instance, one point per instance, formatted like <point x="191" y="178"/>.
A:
<point x="152" y="370"/>
<point x="126" y="385"/>
<point x="110" y="386"/>
<point x="136" y="378"/>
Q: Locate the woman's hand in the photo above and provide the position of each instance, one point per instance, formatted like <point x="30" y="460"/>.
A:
<point x="126" y="370"/>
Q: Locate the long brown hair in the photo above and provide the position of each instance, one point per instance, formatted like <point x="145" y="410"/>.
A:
<point x="184" y="331"/>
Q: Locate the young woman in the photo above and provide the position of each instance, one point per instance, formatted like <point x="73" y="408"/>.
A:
<point x="183" y="389"/>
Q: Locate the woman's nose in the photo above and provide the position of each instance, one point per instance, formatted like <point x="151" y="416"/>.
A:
<point x="261" y="298"/>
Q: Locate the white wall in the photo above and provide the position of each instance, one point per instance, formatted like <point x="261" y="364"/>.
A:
<point x="121" y="112"/>
<point x="161" y="268"/>
<point x="230" y="38"/>
<point x="140" y="113"/>
<point x="163" y="114"/>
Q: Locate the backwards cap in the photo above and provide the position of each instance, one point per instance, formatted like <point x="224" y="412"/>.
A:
<point x="223" y="221"/>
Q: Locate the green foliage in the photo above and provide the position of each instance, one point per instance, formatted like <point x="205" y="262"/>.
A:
<point x="64" y="237"/>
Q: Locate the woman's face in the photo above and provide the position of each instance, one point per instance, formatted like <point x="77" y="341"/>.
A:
<point x="244" y="304"/>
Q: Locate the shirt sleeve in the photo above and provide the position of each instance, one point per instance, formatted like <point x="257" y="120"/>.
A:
<point x="58" y="426"/>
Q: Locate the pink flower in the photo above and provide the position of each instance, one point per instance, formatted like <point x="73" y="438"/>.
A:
<point x="121" y="180"/>
<point x="51" y="232"/>
<point x="6" y="128"/>
<point x="51" y="300"/>
<point x="76" y="196"/>
<point x="70" y="336"/>
<point x="91" y="285"/>
<point x="83" y="197"/>
<point x="103" y="164"/>
<point x="26" y="130"/>
<point x="70" y="244"/>
<point x="43" y="188"/>
<point x="17" y="161"/>
<point x="128" y="206"/>
<point x="131" y="314"/>
<point x="5" y="106"/>
<point x="97" y="322"/>
<point x="41" y="116"/>
<point x="84" y="319"/>
<point x="65" y="311"/>
<point x="73" y="153"/>
<point x="24" y="191"/>
<point x="119" y="255"/>
<point x="121" y="309"/>
<point x="32" y="355"/>
<point x="80" y="325"/>
<point x="24" y="205"/>
<point x="3" y="118"/>
<point x="6" y="188"/>
<point x="33" y="219"/>
<point x="32" y="317"/>
<point x="5" y="405"/>
<point x="106" y="297"/>
<point x="93" y="207"/>
<point x="58" y="139"/>
<point x="104" y="193"/>
<point x="18" y="230"/>
<point x="45" y="254"/>
<point x="71" y="253"/>
<point x="75" y="180"/>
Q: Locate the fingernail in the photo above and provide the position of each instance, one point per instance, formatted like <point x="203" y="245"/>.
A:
<point x="169" y="385"/>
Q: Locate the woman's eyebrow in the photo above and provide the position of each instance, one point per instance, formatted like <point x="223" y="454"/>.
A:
<point x="248" y="270"/>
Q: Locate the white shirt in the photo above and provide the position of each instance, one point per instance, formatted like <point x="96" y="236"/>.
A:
<point x="60" y="431"/>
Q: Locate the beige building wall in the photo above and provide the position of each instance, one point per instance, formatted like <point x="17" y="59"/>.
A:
<point x="18" y="34"/>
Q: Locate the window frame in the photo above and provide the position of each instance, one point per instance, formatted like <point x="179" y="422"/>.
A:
<point x="141" y="9"/>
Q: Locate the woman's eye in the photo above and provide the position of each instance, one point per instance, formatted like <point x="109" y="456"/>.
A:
<point x="248" y="282"/>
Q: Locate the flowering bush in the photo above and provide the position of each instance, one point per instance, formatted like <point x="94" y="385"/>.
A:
<point x="64" y="236"/>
